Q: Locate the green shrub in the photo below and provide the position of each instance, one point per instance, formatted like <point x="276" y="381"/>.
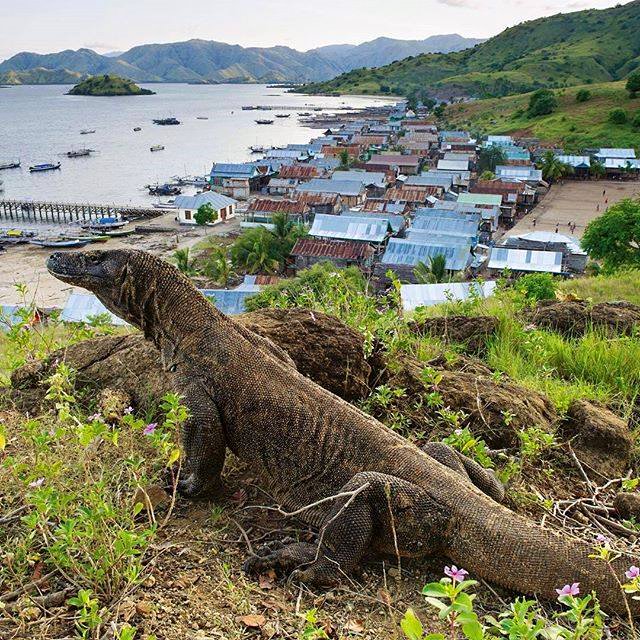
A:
<point x="618" y="116"/>
<point x="542" y="103"/>
<point x="583" y="95"/>
<point x="633" y="84"/>
<point x="537" y="286"/>
<point x="636" y="120"/>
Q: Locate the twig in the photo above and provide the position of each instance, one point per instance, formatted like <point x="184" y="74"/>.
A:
<point x="581" y="470"/>
<point x="244" y="535"/>
<point x="12" y="595"/>
<point x="12" y="516"/>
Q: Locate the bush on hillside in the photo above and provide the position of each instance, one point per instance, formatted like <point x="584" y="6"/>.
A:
<point x="537" y="286"/>
<point x="633" y="84"/>
<point x="636" y="120"/>
<point x="542" y="103"/>
<point x="617" y="116"/>
<point x="583" y="95"/>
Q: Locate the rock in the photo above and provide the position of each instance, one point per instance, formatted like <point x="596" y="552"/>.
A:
<point x="323" y="348"/>
<point x="627" y="505"/>
<point x="576" y="317"/>
<point x="495" y="410"/>
<point x="600" y="439"/>
<point x="151" y="497"/>
<point x="471" y="332"/>
<point x="112" y="404"/>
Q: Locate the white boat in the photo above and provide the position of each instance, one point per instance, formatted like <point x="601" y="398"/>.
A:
<point x="85" y="132"/>
<point x="157" y="147"/>
<point x="11" y="164"/>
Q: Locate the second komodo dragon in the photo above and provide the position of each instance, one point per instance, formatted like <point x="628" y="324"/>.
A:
<point x="389" y="496"/>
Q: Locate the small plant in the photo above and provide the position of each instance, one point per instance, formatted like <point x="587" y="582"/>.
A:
<point x="618" y="116"/>
<point x="537" y="286"/>
<point x="88" y="617"/>
<point x="465" y="442"/>
<point x="534" y="441"/>
<point x="583" y="95"/>
<point x="312" y="630"/>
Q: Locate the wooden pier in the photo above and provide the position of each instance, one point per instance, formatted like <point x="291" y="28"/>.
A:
<point x="63" y="212"/>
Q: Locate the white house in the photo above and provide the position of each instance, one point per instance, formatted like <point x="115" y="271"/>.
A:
<point x="187" y="206"/>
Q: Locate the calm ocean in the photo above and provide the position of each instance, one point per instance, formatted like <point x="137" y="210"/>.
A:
<point x="40" y="124"/>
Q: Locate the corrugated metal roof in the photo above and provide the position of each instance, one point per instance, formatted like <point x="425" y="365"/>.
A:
<point x="453" y="165"/>
<point x="520" y="172"/>
<point x="216" y="200"/>
<point x="575" y="161"/>
<point x="407" y="252"/>
<point x="395" y="160"/>
<point x="428" y="295"/>
<point x="523" y="260"/>
<point x="621" y="163"/>
<point x="481" y="199"/>
<point x="549" y="237"/>
<point x="516" y="153"/>
<point x="457" y="224"/>
<point x="266" y="205"/>
<point x="616" y="153"/>
<point x="426" y="180"/>
<point x="340" y="249"/>
<point x="425" y="236"/>
<point x="499" y="140"/>
<point x="339" y="187"/>
<point x="452" y="214"/>
<point x="397" y="222"/>
<point x="375" y="178"/>
<point x="228" y="170"/>
<point x="299" y="171"/>
<point x="81" y="307"/>
<point x="416" y="194"/>
<point x="229" y="301"/>
<point x="363" y="228"/>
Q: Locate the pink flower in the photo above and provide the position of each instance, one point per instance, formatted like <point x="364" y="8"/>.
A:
<point x="150" y="428"/>
<point x="128" y="410"/>
<point x="569" y="589"/>
<point x="36" y="483"/>
<point x="601" y="539"/>
<point x="457" y="575"/>
<point x="633" y="572"/>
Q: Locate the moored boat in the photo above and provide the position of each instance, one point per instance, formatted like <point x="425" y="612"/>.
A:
<point x="119" y="233"/>
<point x="105" y="224"/>
<point x="11" y="164"/>
<point x="85" y="132"/>
<point x="258" y="149"/>
<point x="264" y="121"/>
<point x="79" y="153"/>
<point x="202" y="117"/>
<point x="157" y="147"/>
<point x="46" y="166"/>
<point x="283" y="115"/>
<point x="166" y="121"/>
<point x="163" y="190"/>
<point x="57" y="243"/>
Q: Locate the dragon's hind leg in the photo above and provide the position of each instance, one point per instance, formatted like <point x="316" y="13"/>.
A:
<point x="377" y="513"/>
<point x="482" y="478"/>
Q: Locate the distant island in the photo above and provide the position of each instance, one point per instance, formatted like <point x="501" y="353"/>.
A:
<point x="108" y="85"/>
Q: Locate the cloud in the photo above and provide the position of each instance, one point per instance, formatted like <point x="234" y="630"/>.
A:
<point x="100" y="45"/>
<point x="460" y="4"/>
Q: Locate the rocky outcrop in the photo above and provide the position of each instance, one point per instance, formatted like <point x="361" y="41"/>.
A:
<point x="600" y="439"/>
<point x="322" y="347"/>
<point x="576" y="317"/>
<point x="469" y="331"/>
<point x="627" y="505"/>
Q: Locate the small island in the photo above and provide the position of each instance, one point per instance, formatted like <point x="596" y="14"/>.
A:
<point x="108" y="85"/>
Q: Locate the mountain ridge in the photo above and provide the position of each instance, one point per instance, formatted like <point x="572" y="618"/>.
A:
<point x="210" y="61"/>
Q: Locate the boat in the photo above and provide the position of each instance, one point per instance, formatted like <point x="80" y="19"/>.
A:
<point x="85" y="132"/>
<point x="166" y="121"/>
<point x="264" y="121"/>
<point x="163" y="190"/>
<point x="58" y="243"/>
<point x="12" y="164"/>
<point x="119" y="233"/>
<point x="89" y="238"/>
<point x="137" y="128"/>
<point x="106" y="223"/>
<point x="165" y="205"/>
<point x="283" y="115"/>
<point x="305" y="114"/>
<point x="202" y="117"/>
<point x="1" y="186"/>
<point x="46" y="166"/>
<point x="257" y="149"/>
<point x="79" y="153"/>
<point x="157" y="147"/>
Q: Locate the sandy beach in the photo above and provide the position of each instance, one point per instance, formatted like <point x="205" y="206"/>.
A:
<point x="25" y="264"/>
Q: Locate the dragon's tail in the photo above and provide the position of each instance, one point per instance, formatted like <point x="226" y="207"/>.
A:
<point x="492" y="542"/>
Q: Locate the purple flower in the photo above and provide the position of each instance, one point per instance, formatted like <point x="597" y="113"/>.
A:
<point x="150" y="428"/>
<point x="36" y="483"/>
<point x="602" y="539"/>
<point x="128" y="410"/>
<point x="569" y="589"/>
<point x="457" y="575"/>
<point x="95" y="416"/>
<point x="633" y="572"/>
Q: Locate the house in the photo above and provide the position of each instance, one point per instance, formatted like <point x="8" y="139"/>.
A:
<point x="300" y="172"/>
<point x="375" y="231"/>
<point x="485" y="195"/>
<point x="574" y="257"/>
<point x="405" y="164"/>
<point x="238" y="180"/>
<point x="455" y="136"/>
<point x="512" y="192"/>
<point x="330" y="204"/>
<point x="502" y="141"/>
<point x="309" y="251"/>
<point x="352" y="192"/>
<point x="428" y="295"/>
<point x="453" y="165"/>
<point x="292" y="154"/>
<point x="378" y="205"/>
<point x="397" y="220"/>
<point x="524" y="261"/>
<point x="443" y="182"/>
<point x="617" y="154"/>
<point x="481" y="200"/>
<point x="187" y="206"/>
<point x="456" y="226"/>
<point x="413" y="196"/>
<point x="262" y="210"/>
<point x="579" y="164"/>
<point x="282" y="186"/>
<point x="375" y="182"/>
<point x="517" y="155"/>
<point x="528" y="174"/>
<point x="622" y="167"/>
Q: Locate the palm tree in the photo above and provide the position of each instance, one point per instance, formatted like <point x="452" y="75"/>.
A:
<point x="256" y="250"/>
<point x="435" y="272"/>
<point x="552" y="168"/>
<point x="184" y="262"/>
<point x="491" y="157"/>
<point x="597" y="169"/>
<point x="218" y="267"/>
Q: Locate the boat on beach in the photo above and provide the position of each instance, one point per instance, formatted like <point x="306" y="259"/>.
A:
<point x="46" y="166"/>
<point x="157" y="147"/>
<point x="105" y="224"/>
<point x="11" y="164"/>
<point x="85" y="132"/>
<point x="58" y="243"/>
<point x="119" y="233"/>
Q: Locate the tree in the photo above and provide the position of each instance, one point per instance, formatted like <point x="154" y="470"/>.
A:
<point x="617" y="116"/>
<point x="583" y="95"/>
<point x="286" y="233"/>
<point x="255" y="250"/>
<point x="542" y="103"/>
<point x="490" y="157"/>
<point x="614" y="237"/>
<point x="345" y="161"/>
<point x="218" y="267"/>
<point x="636" y="121"/>
<point x="597" y="169"/>
<point x="552" y="168"/>
<point x="185" y="263"/>
<point x="435" y="272"/>
<point x="205" y="213"/>
<point x="487" y="175"/>
<point x="633" y="84"/>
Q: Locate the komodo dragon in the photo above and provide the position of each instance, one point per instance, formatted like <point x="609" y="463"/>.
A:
<point x="372" y="490"/>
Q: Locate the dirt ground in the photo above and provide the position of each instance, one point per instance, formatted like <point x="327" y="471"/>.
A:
<point x="576" y="202"/>
<point x="25" y="264"/>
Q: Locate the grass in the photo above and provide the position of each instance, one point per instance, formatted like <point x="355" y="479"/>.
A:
<point x="575" y="125"/>
<point x="625" y="285"/>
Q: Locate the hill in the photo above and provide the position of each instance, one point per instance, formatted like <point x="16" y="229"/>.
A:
<point x="208" y="61"/>
<point x="561" y="50"/>
<point x="39" y="75"/>
<point x="575" y="125"/>
<point x="108" y="85"/>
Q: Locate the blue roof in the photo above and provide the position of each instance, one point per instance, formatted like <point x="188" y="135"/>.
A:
<point x="82" y="307"/>
<point x="453" y="214"/>
<point x="216" y="200"/>
<point x="459" y="224"/>
<point x="326" y="185"/>
<point x="409" y="253"/>
<point x="229" y="301"/>
<point x="431" y="180"/>
<point x="245" y="170"/>
<point x="363" y="228"/>
<point x="396" y="222"/>
<point x="426" y="236"/>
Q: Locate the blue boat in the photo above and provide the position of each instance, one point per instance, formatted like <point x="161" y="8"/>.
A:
<point x="47" y="166"/>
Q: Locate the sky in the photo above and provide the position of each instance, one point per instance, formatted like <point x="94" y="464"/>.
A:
<point x="45" y="26"/>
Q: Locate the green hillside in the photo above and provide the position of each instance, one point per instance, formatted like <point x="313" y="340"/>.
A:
<point x="40" y="75"/>
<point x="108" y="86"/>
<point x="575" y="125"/>
<point x="566" y="49"/>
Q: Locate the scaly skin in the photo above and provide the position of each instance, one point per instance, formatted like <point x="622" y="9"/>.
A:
<point x="307" y="444"/>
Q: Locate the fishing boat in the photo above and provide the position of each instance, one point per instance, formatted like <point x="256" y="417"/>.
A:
<point x="85" y="132"/>
<point x="137" y="128"/>
<point x="258" y="149"/>
<point x="79" y="153"/>
<point x="57" y="243"/>
<point x="88" y="238"/>
<point x="264" y="121"/>
<point x="304" y="114"/>
<point x="46" y="166"/>
<point x="283" y="115"/>
<point x="119" y="233"/>
<point x="157" y="147"/>
<point x="163" y="190"/>
<point x="166" y="121"/>
<point x="107" y="223"/>
<point x="202" y="117"/>
<point x="12" y="164"/>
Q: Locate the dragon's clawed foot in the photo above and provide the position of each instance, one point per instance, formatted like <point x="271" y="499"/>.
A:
<point x="194" y="486"/>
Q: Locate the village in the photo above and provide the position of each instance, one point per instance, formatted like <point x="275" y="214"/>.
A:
<point x="385" y="190"/>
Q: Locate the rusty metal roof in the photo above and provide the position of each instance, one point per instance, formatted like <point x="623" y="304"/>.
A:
<point x="315" y="248"/>
<point x="290" y="207"/>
